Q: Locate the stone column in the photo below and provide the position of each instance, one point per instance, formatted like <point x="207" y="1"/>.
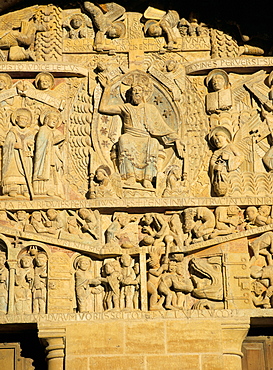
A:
<point x="54" y="341"/>
<point x="12" y="267"/>
<point x="143" y="281"/>
<point x="233" y="335"/>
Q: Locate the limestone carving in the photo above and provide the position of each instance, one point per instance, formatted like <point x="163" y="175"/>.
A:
<point x="138" y="147"/>
<point x="227" y="220"/>
<point x="262" y="286"/>
<point x="86" y="285"/>
<point x="4" y="280"/>
<point x="220" y="98"/>
<point x="122" y="232"/>
<point x="263" y="245"/>
<point x="207" y="280"/>
<point x="192" y="28"/>
<point x="24" y="284"/>
<point x="156" y="228"/>
<point x="89" y="222"/>
<point x="106" y="21"/>
<point x="78" y="26"/>
<point x="39" y="289"/>
<point x="48" y="159"/>
<point x="105" y="184"/>
<point x="199" y="223"/>
<point x="175" y="285"/>
<point x="155" y="271"/>
<point x="17" y="156"/>
<point x="112" y="280"/>
<point x="226" y="158"/>
<point x="136" y="164"/>
<point x="18" y="33"/>
<point x="128" y="283"/>
<point x="167" y="24"/>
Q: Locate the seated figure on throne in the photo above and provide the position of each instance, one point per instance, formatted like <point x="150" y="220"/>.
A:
<point x="138" y="147"/>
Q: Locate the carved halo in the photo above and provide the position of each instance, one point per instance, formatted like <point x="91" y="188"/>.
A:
<point x="225" y="129"/>
<point x="136" y="78"/>
<point x="149" y="23"/>
<point x="38" y="77"/>
<point x="105" y="169"/>
<point x="220" y="72"/>
<point x="24" y="256"/>
<point x="67" y="22"/>
<point x="47" y="111"/>
<point x="78" y="259"/>
<point x="122" y="28"/>
<point x="15" y="114"/>
<point x="7" y="78"/>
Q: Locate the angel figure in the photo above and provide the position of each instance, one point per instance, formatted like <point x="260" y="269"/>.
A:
<point x="175" y="184"/>
<point x="260" y="129"/>
<point x="159" y="22"/>
<point x="43" y="91"/>
<point x="17" y="34"/>
<point x="219" y="97"/>
<point x="106" y="19"/>
<point x="105" y="184"/>
<point x="226" y="158"/>
<point x="78" y="26"/>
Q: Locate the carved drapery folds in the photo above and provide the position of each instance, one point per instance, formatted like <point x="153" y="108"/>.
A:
<point x="182" y="259"/>
<point x="135" y="163"/>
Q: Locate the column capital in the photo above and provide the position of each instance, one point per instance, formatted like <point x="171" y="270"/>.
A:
<point x="54" y="341"/>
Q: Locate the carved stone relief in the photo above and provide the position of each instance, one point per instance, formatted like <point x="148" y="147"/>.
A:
<point x="136" y="163"/>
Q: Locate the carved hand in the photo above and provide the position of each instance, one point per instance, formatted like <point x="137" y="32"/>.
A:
<point x="103" y="80"/>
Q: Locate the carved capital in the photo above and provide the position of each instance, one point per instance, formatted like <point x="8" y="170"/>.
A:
<point x="233" y="335"/>
<point x="54" y="341"/>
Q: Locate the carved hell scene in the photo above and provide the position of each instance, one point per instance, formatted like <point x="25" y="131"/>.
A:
<point x="136" y="170"/>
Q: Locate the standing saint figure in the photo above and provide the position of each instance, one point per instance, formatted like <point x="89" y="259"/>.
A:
<point x="143" y="126"/>
<point x="24" y="277"/>
<point x="39" y="288"/>
<point x="48" y="160"/>
<point x="86" y="285"/>
<point x="227" y="157"/>
<point x="17" y="155"/>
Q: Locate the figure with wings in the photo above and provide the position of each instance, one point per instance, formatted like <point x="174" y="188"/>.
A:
<point x="143" y="126"/>
<point x="105" y="18"/>
<point x="263" y="129"/>
<point x="78" y="26"/>
<point x="17" y="33"/>
<point x="162" y="22"/>
<point x="219" y="97"/>
<point x="226" y="158"/>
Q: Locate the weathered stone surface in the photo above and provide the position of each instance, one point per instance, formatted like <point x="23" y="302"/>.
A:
<point x="136" y="219"/>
